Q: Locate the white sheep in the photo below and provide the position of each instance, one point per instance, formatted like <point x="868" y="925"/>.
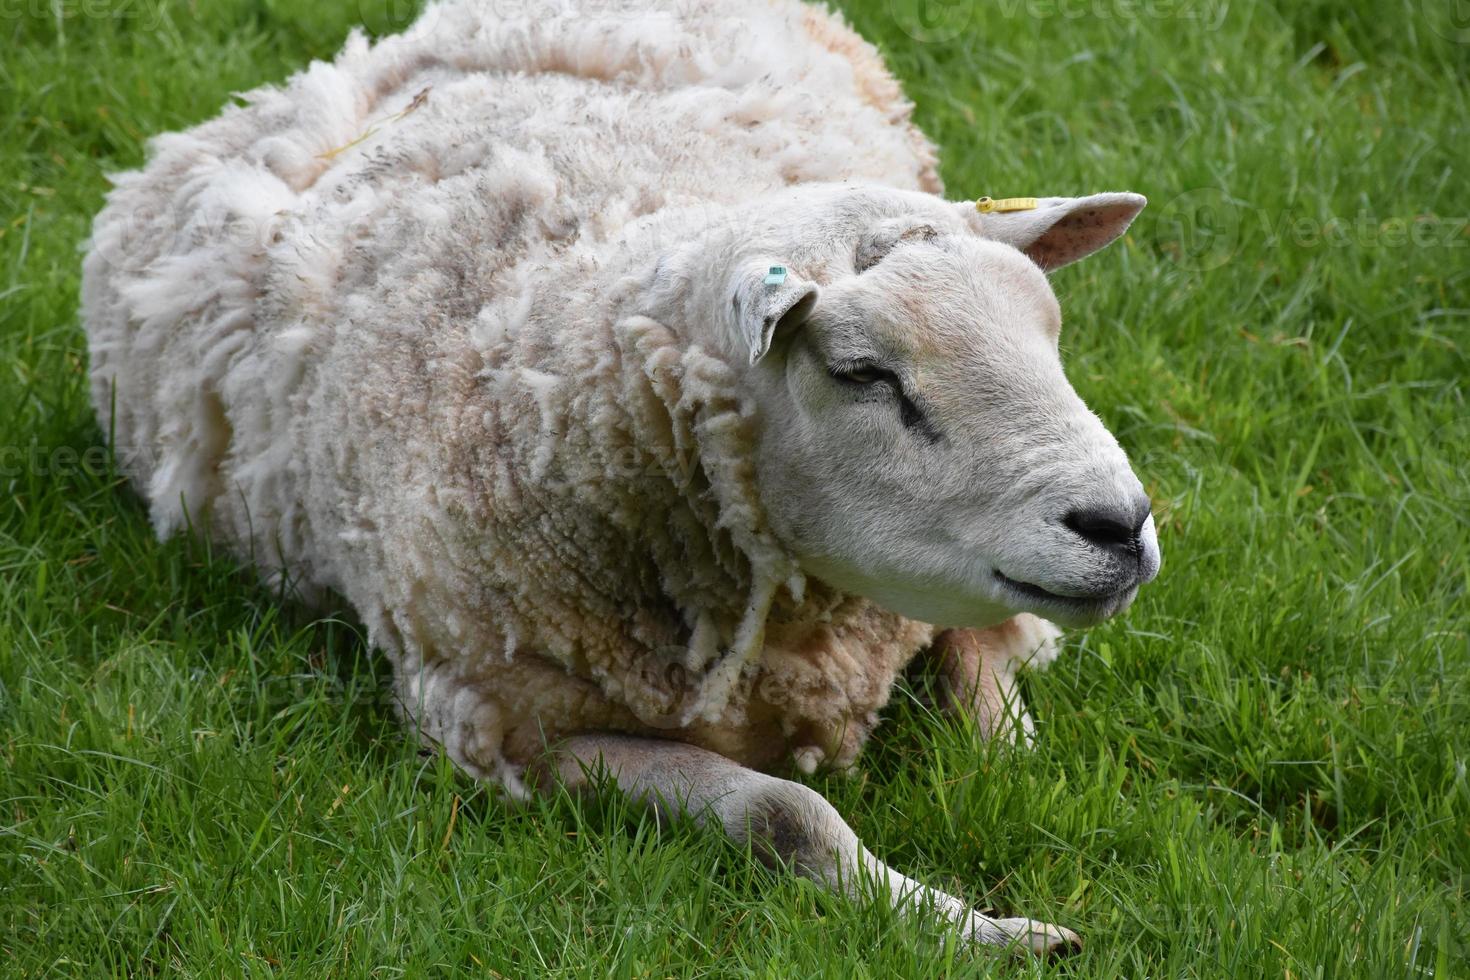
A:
<point x="624" y="371"/>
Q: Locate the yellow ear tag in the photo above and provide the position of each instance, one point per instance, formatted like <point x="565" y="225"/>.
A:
<point x="985" y="205"/>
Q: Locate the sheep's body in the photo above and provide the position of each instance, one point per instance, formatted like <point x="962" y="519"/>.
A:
<point x="473" y="328"/>
<point x="367" y="328"/>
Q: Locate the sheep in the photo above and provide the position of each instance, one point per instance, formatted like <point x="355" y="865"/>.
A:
<point x="625" y="371"/>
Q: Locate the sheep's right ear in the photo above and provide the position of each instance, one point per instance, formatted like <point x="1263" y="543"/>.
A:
<point x="769" y="299"/>
<point x="1055" y="231"/>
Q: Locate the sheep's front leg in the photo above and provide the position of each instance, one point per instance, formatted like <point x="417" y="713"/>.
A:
<point x="977" y="672"/>
<point x="784" y="822"/>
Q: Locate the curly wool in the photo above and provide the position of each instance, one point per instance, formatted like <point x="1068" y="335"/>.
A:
<point x="372" y="329"/>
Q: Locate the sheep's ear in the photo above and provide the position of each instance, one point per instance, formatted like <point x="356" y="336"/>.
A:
<point x="1057" y="230"/>
<point x="769" y="299"/>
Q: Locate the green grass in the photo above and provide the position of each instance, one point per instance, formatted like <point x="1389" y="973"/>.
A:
<point x="1259" y="772"/>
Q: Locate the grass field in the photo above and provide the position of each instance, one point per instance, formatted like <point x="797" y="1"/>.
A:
<point x="1260" y="771"/>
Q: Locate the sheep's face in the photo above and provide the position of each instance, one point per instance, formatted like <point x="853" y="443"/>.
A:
<point x="920" y="444"/>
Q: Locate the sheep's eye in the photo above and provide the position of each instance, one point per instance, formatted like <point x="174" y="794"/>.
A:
<point x="867" y="375"/>
<point x="862" y="374"/>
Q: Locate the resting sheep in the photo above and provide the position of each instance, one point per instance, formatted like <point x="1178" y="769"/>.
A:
<point x="625" y="373"/>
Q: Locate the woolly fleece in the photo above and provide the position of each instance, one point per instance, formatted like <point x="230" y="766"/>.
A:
<point x="369" y="329"/>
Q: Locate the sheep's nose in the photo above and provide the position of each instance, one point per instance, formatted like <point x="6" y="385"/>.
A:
<point x="1113" y="528"/>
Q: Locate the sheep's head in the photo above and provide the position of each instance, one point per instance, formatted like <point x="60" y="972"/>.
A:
<point x="919" y="443"/>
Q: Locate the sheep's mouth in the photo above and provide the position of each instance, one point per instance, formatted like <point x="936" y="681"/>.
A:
<point x="1098" y="605"/>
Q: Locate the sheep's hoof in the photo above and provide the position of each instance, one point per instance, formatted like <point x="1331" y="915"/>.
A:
<point x="1040" y="938"/>
<point x="1061" y="943"/>
<point x="1053" y="942"/>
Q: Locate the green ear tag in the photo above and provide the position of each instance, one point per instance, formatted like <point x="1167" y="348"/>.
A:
<point x="776" y="275"/>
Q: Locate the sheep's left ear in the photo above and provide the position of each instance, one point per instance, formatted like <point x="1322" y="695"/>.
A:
<point x="1058" y="230"/>
<point x="769" y="299"/>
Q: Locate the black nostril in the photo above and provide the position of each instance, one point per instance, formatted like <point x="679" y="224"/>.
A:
<point x="1104" y="528"/>
<point x="1110" y="528"/>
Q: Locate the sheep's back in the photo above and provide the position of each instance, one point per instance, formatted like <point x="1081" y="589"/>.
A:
<point x="303" y="270"/>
